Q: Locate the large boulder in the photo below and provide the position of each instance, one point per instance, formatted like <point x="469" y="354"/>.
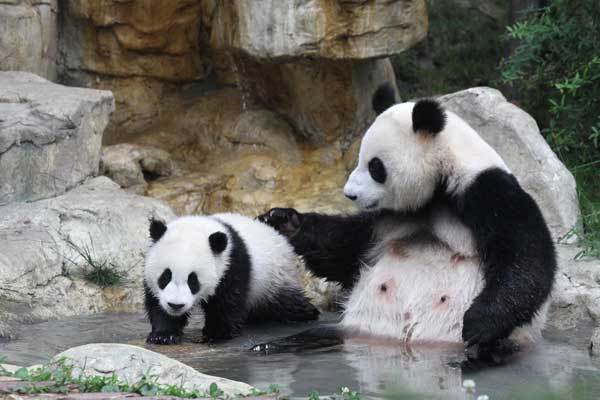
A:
<point x="50" y="136"/>
<point x="515" y="135"/>
<point x="29" y="36"/>
<point x="44" y="246"/>
<point x="133" y="363"/>
<point x="348" y="29"/>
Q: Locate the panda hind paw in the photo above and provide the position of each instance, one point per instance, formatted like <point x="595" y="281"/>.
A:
<point x="163" y="338"/>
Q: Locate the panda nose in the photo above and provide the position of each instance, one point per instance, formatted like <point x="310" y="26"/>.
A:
<point x="176" y="307"/>
<point x="351" y="196"/>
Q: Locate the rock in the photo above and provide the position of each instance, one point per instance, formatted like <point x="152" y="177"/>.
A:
<point x="348" y="29"/>
<point x="130" y="165"/>
<point x="132" y="363"/>
<point x="595" y="343"/>
<point x="576" y="295"/>
<point x="41" y="273"/>
<point x="51" y="136"/>
<point x="28" y="37"/>
<point x="324" y="100"/>
<point x="515" y="135"/>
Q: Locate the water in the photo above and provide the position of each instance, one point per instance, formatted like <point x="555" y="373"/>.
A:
<point x="560" y="363"/>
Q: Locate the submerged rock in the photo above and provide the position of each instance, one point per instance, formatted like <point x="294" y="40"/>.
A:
<point x="43" y="246"/>
<point x="51" y="136"/>
<point x="132" y="363"/>
<point x="515" y="135"/>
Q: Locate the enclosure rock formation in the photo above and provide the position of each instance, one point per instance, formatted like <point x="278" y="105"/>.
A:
<point x="132" y="363"/>
<point x="50" y="136"/>
<point x="29" y="36"/>
<point x="47" y="246"/>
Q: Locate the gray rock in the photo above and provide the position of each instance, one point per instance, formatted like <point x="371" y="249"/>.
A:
<point x="576" y="295"/>
<point x="126" y="164"/>
<point x="516" y="136"/>
<point x="41" y="274"/>
<point x="131" y="363"/>
<point x="595" y="343"/>
<point x="50" y="135"/>
<point x="349" y="29"/>
<point x="28" y="36"/>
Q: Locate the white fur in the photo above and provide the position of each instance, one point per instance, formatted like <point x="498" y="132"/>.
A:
<point x="415" y="162"/>
<point x="184" y="248"/>
<point x="411" y="309"/>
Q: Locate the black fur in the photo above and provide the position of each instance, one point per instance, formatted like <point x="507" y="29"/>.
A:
<point x="428" y="116"/>
<point x="157" y="229"/>
<point x="310" y="339"/>
<point x="517" y="252"/>
<point x="166" y="329"/>
<point x="332" y="245"/>
<point x="383" y="98"/>
<point x="225" y="311"/>
<point x="288" y="305"/>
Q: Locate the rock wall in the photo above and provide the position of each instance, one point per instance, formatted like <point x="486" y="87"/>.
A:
<point x="29" y="36"/>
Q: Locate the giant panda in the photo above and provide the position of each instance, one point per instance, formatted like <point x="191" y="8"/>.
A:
<point x="236" y="268"/>
<point x="441" y="212"/>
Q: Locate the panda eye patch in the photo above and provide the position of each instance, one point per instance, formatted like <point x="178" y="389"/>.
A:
<point x="164" y="279"/>
<point x="193" y="283"/>
<point x="377" y="170"/>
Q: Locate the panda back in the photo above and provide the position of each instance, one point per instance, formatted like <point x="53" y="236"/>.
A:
<point x="272" y="259"/>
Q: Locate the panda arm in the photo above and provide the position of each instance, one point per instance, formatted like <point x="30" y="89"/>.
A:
<point x="332" y="245"/>
<point x="166" y="329"/>
<point x="517" y="252"/>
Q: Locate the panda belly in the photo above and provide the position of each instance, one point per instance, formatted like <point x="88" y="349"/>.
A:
<point x="414" y="292"/>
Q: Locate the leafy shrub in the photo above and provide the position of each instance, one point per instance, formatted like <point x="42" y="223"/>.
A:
<point x="555" y="71"/>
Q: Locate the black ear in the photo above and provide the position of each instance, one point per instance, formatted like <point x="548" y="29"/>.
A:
<point x="218" y="242"/>
<point x="384" y="98"/>
<point x="428" y="116"/>
<point x="157" y="229"/>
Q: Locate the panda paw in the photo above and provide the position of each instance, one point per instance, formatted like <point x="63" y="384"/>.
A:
<point x="481" y="326"/>
<point x="284" y="220"/>
<point x="163" y="338"/>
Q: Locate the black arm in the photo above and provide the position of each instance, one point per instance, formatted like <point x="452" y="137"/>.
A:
<point x="517" y="252"/>
<point x="166" y="329"/>
<point x="332" y="246"/>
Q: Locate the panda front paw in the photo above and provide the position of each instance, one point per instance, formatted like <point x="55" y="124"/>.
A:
<point x="285" y="220"/>
<point x="163" y="338"/>
<point x="482" y="325"/>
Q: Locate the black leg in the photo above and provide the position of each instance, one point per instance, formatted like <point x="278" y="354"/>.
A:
<point x="311" y="339"/>
<point x="224" y="316"/>
<point x="288" y="305"/>
<point x="166" y="329"/>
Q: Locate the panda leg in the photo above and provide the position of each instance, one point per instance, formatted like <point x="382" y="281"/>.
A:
<point x="288" y="305"/>
<point x="311" y="339"/>
<point x="224" y="316"/>
<point x="166" y="329"/>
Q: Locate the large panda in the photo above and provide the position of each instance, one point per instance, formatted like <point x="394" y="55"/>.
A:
<point x="442" y="213"/>
<point x="236" y="268"/>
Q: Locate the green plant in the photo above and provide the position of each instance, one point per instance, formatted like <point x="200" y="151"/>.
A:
<point x="555" y="71"/>
<point x="101" y="272"/>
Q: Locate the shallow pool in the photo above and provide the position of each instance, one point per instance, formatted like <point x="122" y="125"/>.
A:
<point x="561" y="363"/>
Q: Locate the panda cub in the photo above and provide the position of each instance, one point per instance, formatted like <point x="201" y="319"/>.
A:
<point x="238" y="269"/>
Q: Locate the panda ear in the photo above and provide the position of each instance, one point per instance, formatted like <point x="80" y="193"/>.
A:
<point x="218" y="242"/>
<point x="383" y="98"/>
<point x="429" y="117"/>
<point x="157" y="229"/>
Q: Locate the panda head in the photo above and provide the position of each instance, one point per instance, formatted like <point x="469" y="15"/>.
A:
<point x="409" y="150"/>
<point x="186" y="262"/>
<point x="397" y="166"/>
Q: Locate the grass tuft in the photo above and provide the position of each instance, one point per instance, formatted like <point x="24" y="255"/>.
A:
<point x="101" y="272"/>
